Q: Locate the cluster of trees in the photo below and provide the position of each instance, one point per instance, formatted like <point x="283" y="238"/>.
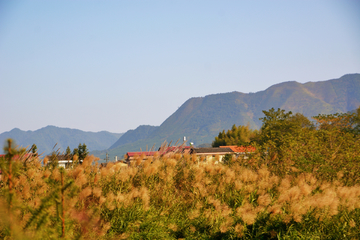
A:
<point x="240" y="136"/>
<point x="77" y="154"/>
<point x="81" y="151"/>
<point x="278" y="125"/>
<point x="325" y="146"/>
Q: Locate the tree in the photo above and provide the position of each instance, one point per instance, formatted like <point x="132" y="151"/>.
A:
<point x="82" y="151"/>
<point x="240" y="136"/>
<point x="279" y="124"/>
<point x="301" y="121"/>
<point x="278" y="130"/>
<point x="75" y="152"/>
<point x="345" y="122"/>
<point x="33" y="148"/>
<point x="68" y="153"/>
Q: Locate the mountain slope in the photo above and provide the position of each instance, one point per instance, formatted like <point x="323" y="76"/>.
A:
<point x="46" y="138"/>
<point x="141" y="132"/>
<point x="201" y="119"/>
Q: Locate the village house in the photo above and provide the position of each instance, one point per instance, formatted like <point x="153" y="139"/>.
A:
<point x="162" y="151"/>
<point x="212" y="153"/>
<point x="64" y="160"/>
<point x="202" y="153"/>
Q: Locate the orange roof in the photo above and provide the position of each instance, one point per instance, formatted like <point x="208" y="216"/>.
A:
<point x="241" y="149"/>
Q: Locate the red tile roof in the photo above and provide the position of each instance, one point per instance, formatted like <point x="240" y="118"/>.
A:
<point x="240" y="149"/>
<point x="174" y="149"/>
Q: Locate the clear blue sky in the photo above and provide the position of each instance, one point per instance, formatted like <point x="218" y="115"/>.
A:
<point x="114" y="65"/>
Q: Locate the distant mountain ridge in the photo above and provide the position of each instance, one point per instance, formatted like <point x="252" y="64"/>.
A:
<point x="46" y="138"/>
<point x="200" y="119"/>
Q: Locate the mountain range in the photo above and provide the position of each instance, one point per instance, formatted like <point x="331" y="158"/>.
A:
<point x="200" y="119"/>
<point x="46" y="138"/>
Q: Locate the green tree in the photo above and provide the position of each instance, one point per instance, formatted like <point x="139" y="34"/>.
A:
<point x="357" y="120"/>
<point x="68" y="152"/>
<point x="290" y="142"/>
<point x="345" y="122"/>
<point x="75" y="152"/>
<point x="278" y="128"/>
<point x="33" y="148"/>
<point x="239" y="136"/>
<point x="83" y="151"/>
<point x="277" y="125"/>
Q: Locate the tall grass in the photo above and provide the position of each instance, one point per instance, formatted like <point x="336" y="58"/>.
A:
<point x="172" y="198"/>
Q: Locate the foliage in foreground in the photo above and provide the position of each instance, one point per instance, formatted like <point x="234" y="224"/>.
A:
<point x="174" y="197"/>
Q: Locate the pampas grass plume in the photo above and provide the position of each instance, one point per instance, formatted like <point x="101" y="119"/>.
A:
<point x="85" y="193"/>
<point x="170" y="162"/>
<point x="97" y="192"/>
<point x="145" y="197"/>
<point x="55" y="174"/>
<point x="263" y="172"/>
<point x="264" y="200"/>
<point x="238" y="185"/>
<point x="246" y="213"/>
<point x="248" y="176"/>
<point x="239" y="230"/>
<point x="173" y="227"/>
<point x="229" y="176"/>
<point x="26" y="192"/>
<point x="194" y="214"/>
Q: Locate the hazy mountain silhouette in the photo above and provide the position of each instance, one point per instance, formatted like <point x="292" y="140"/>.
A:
<point x="46" y="138"/>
